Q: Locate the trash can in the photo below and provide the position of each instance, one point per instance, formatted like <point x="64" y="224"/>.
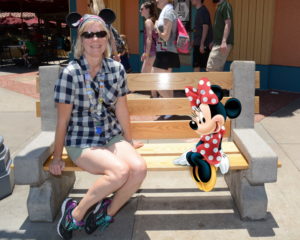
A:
<point x="7" y="180"/>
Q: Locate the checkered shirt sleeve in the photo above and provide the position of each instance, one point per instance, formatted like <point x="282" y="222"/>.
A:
<point x="122" y="83"/>
<point x="64" y="90"/>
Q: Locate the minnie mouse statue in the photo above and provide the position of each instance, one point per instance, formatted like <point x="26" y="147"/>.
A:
<point x="208" y="119"/>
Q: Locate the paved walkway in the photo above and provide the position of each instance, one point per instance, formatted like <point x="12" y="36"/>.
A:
<point x="168" y="205"/>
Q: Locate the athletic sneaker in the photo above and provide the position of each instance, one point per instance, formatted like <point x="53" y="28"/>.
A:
<point x="98" y="217"/>
<point x="67" y="223"/>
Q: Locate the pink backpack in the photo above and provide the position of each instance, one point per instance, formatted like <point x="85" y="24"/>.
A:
<point x="183" y="39"/>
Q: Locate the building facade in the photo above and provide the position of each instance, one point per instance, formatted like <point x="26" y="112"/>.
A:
<point x="266" y="31"/>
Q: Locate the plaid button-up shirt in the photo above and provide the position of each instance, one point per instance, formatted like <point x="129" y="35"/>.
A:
<point x="71" y="89"/>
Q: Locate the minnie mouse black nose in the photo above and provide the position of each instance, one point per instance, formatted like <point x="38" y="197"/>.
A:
<point x="193" y="125"/>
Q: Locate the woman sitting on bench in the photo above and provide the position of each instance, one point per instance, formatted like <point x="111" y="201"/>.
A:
<point x="93" y="124"/>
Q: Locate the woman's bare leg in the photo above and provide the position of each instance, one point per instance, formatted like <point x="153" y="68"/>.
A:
<point x="165" y="93"/>
<point x="147" y="65"/>
<point x="137" y="172"/>
<point x="147" y="68"/>
<point x="115" y="174"/>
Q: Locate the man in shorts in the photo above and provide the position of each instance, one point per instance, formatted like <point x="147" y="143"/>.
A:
<point x="202" y="36"/>
<point x="223" y="36"/>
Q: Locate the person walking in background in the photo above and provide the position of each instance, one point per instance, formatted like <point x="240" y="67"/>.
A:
<point x="223" y="35"/>
<point x="149" y="12"/>
<point x="167" y="56"/>
<point x="202" y="36"/>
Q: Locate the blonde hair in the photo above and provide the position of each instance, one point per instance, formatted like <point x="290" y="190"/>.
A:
<point x="96" y="6"/>
<point x="170" y="1"/>
<point x="78" y="49"/>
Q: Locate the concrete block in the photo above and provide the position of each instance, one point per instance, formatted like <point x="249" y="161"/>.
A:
<point x="262" y="159"/>
<point x="250" y="200"/>
<point x="48" y="78"/>
<point x="44" y="202"/>
<point x="243" y="73"/>
<point x="29" y="162"/>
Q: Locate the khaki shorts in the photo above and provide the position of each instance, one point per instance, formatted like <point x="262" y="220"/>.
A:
<point x="217" y="60"/>
<point x="75" y="152"/>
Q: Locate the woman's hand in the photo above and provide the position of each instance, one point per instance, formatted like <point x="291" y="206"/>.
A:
<point x="56" y="166"/>
<point x="144" y="57"/>
<point x="117" y="57"/>
<point x="137" y="144"/>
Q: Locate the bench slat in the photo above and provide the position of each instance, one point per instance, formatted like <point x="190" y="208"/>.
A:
<point x="159" y="161"/>
<point x="164" y="163"/>
<point x="166" y="106"/>
<point x="166" y="129"/>
<point x="176" y="149"/>
<point x="159" y="106"/>
<point x="178" y="81"/>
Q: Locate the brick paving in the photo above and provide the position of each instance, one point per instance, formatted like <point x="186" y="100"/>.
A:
<point x="23" y="83"/>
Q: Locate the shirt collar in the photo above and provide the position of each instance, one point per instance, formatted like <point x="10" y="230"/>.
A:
<point x="85" y="66"/>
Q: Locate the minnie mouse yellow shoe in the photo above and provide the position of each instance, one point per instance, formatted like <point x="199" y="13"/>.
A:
<point x="205" y="186"/>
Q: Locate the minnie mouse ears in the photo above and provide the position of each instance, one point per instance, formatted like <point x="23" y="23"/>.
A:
<point x="107" y="15"/>
<point x="73" y="19"/>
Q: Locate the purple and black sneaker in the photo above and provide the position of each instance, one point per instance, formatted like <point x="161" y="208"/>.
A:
<point x="98" y="217"/>
<point x="66" y="223"/>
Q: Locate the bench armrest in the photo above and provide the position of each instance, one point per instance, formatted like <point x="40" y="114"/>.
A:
<point x="261" y="158"/>
<point x="29" y="161"/>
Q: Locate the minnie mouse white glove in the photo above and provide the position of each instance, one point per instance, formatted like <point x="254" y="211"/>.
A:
<point x="224" y="163"/>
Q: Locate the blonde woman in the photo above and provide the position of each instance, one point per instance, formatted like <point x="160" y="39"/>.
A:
<point x="93" y="124"/>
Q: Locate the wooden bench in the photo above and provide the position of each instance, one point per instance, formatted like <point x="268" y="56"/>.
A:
<point x="160" y="157"/>
<point x="247" y="165"/>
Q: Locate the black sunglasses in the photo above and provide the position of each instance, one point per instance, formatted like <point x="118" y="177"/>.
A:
<point x="89" y="35"/>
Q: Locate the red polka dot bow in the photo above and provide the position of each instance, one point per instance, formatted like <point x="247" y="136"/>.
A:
<point x="203" y="94"/>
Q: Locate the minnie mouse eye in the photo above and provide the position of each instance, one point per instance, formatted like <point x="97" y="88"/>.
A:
<point x="203" y="120"/>
<point x="193" y="125"/>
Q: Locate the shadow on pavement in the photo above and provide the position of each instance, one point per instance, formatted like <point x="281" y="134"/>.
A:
<point x="143" y="214"/>
<point x="212" y="217"/>
<point x="272" y="101"/>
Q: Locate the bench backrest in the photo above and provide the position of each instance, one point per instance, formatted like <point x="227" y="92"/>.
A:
<point x="241" y="81"/>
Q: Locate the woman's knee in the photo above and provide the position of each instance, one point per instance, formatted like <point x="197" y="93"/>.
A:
<point x="119" y="173"/>
<point x="138" y="169"/>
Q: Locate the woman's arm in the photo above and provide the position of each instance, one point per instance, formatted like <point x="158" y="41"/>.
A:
<point x="124" y="119"/>
<point x="63" y="117"/>
<point x="165" y="35"/>
<point x="149" y="28"/>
